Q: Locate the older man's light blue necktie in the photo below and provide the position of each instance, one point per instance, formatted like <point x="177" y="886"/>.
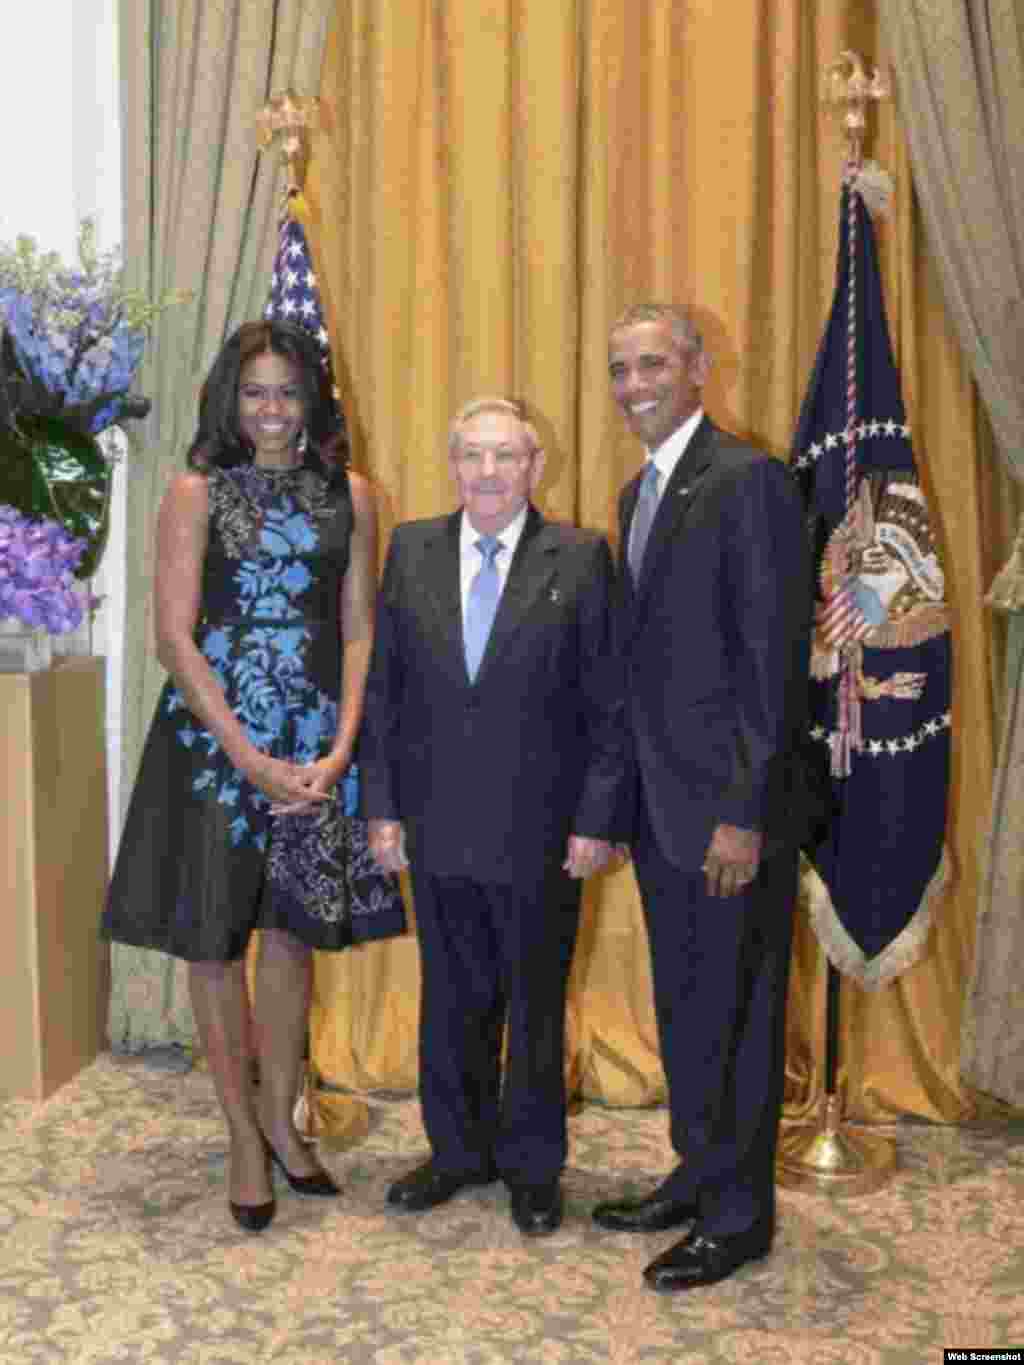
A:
<point x="643" y="518"/>
<point x="482" y="603"/>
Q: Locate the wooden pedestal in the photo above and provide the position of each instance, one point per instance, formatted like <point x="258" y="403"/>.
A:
<point x="53" y="874"/>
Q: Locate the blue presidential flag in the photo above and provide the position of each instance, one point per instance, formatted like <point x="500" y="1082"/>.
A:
<point x="880" y="663"/>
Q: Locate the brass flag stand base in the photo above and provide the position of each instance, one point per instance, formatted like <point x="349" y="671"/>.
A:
<point x="826" y="1154"/>
<point x="830" y="1157"/>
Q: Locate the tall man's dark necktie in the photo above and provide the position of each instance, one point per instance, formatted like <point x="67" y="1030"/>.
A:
<point x="482" y="603"/>
<point x="643" y="518"/>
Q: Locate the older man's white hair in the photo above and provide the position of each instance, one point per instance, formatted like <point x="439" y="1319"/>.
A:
<point x="507" y="407"/>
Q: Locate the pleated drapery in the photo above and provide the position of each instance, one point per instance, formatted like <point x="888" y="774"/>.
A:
<point x="496" y="181"/>
<point x="961" y="69"/>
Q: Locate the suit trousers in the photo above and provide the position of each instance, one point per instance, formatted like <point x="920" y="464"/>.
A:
<point x="720" y="969"/>
<point x="495" y="965"/>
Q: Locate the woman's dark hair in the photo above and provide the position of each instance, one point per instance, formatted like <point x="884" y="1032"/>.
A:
<point x="219" y="441"/>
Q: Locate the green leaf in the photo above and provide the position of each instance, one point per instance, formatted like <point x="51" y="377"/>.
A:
<point x="49" y="469"/>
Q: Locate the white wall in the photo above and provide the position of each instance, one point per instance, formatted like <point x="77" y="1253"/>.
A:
<point x="35" y="114"/>
<point x="62" y="161"/>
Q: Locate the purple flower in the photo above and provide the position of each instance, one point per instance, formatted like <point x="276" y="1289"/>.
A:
<point x="37" y="562"/>
<point x="76" y="334"/>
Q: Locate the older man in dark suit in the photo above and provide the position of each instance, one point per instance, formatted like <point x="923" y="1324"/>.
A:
<point x="715" y="615"/>
<point x="493" y="759"/>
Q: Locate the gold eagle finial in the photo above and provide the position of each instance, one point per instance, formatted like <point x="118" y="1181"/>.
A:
<point x="847" y="85"/>
<point x="291" y="118"/>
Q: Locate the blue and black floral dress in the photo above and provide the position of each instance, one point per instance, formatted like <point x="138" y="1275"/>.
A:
<point x="202" y="861"/>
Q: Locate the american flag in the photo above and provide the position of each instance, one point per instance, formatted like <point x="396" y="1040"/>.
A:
<point x="294" y="292"/>
<point x="840" y="620"/>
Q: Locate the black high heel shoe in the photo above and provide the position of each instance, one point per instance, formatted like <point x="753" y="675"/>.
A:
<point x="253" y="1217"/>
<point x="320" y="1182"/>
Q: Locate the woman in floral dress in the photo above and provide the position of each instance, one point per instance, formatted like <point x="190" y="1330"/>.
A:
<point x="241" y="817"/>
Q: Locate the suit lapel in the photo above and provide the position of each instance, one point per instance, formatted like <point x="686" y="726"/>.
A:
<point x="441" y="579"/>
<point x="627" y="506"/>
<point x="532" y="568"/>
<point x="626" y="509"/>
<point x="676" y="501"/>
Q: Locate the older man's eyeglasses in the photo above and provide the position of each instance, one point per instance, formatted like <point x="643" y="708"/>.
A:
<point x="505" y="457"/>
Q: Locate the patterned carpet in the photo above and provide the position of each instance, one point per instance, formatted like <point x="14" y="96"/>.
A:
<point x="116" y="1245"/>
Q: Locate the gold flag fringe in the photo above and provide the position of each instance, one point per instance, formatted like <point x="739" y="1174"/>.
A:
<point x="906" y="948"/>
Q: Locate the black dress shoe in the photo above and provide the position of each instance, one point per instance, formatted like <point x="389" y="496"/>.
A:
<point x="700" y="1259"/>
<point x="426" y="1187"/>
<point x="320" y="1182"/>
<point x="253" y="1217"/>
<point x="653" y="1214"/>
<point x="536" y="1209"/>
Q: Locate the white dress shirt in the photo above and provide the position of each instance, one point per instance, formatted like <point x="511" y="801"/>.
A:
<point x="670" y="452"/>
<point x="470" y="557"/>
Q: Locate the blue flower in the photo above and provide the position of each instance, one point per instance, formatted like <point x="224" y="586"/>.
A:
<point x="284" y="535"/>
<point x="273" y="542"/>
<point x="350" y="790"/>
<point x="309" y="730"/>
<point x="300" y="533"/>
<point x="290" y="641"/>
<point x="296" y="578"/>
<point x="254" y="579"/>
<point x="76" y="332"/>
<point x="217" y="646"/>
<point x="273" y="604"/>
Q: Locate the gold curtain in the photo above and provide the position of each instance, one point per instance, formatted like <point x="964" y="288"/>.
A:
<point x="496" y="181"/>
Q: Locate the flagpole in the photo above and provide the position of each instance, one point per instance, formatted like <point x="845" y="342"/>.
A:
<point x="827" y="1154"/>
<point x="325" y="1115"/>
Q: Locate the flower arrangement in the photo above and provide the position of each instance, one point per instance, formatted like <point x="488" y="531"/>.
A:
<point x="71" y="340"/>
<point x="37" y="564"/>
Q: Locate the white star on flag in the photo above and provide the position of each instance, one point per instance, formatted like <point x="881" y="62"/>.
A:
<point x="293" y="287"/>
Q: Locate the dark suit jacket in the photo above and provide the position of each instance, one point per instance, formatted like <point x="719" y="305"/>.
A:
<point x="491" y="777"/>
<point x="715" y="638"/>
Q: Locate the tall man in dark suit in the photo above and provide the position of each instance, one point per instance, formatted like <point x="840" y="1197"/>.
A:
<point x="493" y="758"/>
<point x="716" y="598"/>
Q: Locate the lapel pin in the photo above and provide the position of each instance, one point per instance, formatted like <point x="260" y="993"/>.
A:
<point x="683" y="492"/>
<point x="555" y="595"/>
